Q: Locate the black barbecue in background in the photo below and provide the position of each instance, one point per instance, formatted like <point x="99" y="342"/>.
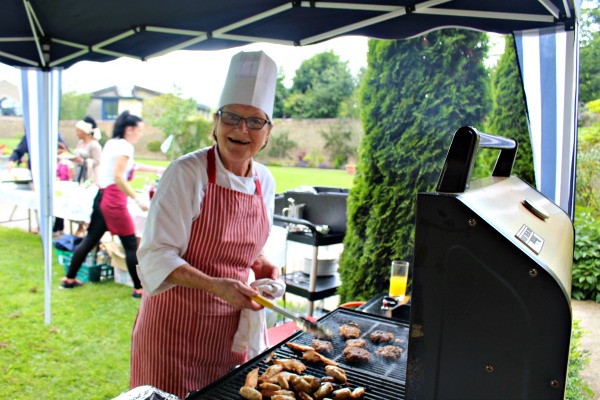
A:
<point x="490" y="312"/>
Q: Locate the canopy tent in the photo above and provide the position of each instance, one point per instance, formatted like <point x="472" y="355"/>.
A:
<point x="52" y="35"/>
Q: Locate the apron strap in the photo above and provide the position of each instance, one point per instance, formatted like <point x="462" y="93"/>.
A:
<point x="257" y="182"/>
<point x="212" y="171"/>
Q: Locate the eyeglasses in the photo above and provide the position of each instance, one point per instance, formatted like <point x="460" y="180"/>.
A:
<point x="232" y="119"/>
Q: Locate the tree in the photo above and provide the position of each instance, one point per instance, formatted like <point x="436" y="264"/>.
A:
<point x="281" y="94"/>
<point x="338" y="141"/>
<point x="178" y="117"/>
<point x="416" y="93"/>
<point x="321" y="83"/>
<point x="350" y="108"/>
<point x="73" y="105"/>
<point x="589" y="56"/>
<point x="280" y="144"/>
<point x="508" y="117"/>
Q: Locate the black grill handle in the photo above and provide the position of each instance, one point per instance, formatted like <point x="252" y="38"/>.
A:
<point x="460" y="160"/>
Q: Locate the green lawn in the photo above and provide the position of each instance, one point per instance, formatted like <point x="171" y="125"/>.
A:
<point x="285" y="177"/>
<point x="83" y="354"/>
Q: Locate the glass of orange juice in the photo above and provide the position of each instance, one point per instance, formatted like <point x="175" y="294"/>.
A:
<point x="399" y="279"/>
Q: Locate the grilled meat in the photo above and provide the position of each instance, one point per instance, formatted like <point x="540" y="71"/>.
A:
<point x="313" y="356"/>
<point x="270" y="372"/>
<point x="342" y="394"/>
<point x="356" y="355"/>
<point x="337" y="373"/>
<point x="269" y="386"/>
<point x="283" y="381"/>
<point x="291" y="365"/>
<point x="381" y="337"/>
<point x="252" y="378"/>
<point x="349" y="332"/>
<point x="322" y="346"/>
<point x="302" y="385"/>
<point x="389" y="352"/>
<point x="323" y="391"/>
<point x="358" y="393"/>
<point x="304" y="396"/>
<point x="271" y="393"/>
<point x="356" y="343"/>
<point x="250" y="393"/>
<point x="298" y="347"/>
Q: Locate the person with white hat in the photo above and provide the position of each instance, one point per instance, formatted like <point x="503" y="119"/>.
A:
<point x="88" y="151"/>
<point x="209" y="220"/>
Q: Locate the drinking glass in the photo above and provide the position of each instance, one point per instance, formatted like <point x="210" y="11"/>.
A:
<point x="398" y="279"/>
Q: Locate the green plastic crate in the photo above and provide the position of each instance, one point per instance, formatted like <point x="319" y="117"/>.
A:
<point x="89" y="271"/>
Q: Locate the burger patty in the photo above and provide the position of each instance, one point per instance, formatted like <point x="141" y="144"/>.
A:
<point x="381" y="337"/>
<point x="356" y="355"/>
<point x="349" y="332"/>
<point x="322" y="346"/>
<point x="356" y="343"/>
<point x="389" y="352"/>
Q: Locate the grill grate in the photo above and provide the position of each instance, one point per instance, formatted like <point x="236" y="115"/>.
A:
<point x="383" y="380"/>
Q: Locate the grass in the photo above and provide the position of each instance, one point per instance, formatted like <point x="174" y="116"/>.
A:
<point x="83" y="354"/>
<point x="285" y="177"/>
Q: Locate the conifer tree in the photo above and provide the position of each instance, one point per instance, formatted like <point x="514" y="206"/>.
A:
<point x="508" y="117"/>
<point x="415" y="95"/>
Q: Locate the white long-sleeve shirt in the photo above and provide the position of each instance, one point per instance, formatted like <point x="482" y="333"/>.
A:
<point x="177" y="203"/>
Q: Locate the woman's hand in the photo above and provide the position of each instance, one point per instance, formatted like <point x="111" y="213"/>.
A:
<point x="236" y="293"/>
<point x="263" y="268"/>
<point x="141" y="204"/>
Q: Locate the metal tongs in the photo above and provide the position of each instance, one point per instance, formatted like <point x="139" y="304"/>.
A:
<point x="314" y="329"/>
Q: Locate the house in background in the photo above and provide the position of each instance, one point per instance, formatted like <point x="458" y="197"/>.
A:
<point x="108" y="103"/>
<point x="10" y="99"/>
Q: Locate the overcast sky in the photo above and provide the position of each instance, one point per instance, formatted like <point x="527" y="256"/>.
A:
<point x="199" y="74"/>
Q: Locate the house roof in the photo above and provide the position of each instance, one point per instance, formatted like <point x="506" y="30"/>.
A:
<point x="124" y="92"/>
<point x="8" y="90"/>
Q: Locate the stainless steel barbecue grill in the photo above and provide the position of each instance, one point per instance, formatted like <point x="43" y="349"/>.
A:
<point x="490" y="315"/>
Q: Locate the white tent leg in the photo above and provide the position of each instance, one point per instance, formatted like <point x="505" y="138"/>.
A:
<point x="41" y="101"/>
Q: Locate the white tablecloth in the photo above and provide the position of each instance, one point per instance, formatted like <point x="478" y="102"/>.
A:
<point x="71" y="201"/>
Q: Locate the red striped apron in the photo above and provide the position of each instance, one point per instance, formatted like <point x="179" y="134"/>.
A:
<point x="182" y="338"/>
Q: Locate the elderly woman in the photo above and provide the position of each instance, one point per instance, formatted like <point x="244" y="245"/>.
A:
<point x="205" y="231"/>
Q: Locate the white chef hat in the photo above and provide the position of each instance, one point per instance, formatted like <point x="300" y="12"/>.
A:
<point x="251" y="81"/>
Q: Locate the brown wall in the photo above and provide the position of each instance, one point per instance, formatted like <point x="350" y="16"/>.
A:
<point x="305" y="132"/>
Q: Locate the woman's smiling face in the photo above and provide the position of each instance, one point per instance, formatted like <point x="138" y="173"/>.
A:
<point x="239" y="143"/>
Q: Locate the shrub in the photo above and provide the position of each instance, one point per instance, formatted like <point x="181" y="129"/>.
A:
<point x="154" y="146"/>
<point x="280" y="144"/>
<point x="594" y="106"/>
<point x="586" y="267"/>
<point x="577" y="388"/>
<point x="338" y="141"/>
<point x="508" y="117"/>
<point x="588" y="163"/>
